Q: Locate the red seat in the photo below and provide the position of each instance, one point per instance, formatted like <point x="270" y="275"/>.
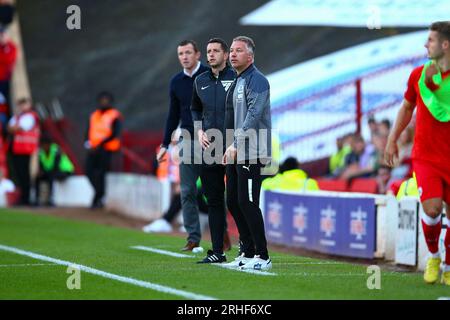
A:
<point x="366" y="185"/>
<point x="332" y="184"/>
<point x="12" y="198"/>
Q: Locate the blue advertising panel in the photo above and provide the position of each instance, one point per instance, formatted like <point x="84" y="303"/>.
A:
<point x="341" y="226"/>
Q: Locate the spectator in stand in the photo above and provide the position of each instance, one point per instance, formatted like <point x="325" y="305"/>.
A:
<point x="405" y="145"/>
<point x="373" y="125"/>
<point x="54" y="165"/>
<point x="102" y="142"/>
<point x="291" y="178"/>
<point x="384" y="179"/>
<point x="364" y="159"/>
<point x="7" y="11"/>
<point x="337" y="160"/>
<point x="24" y="130"/>
<point x="384" y="127"/>
<point x="8" y="56"/>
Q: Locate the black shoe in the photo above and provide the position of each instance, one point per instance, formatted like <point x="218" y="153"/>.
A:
<point x="214" y="258"/>
<point x="97" y="205"/>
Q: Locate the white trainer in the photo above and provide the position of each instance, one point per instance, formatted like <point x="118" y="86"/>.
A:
<point x="160" y="225"/>
<point x="256" y="263"/>
<point x="237" y="262"/>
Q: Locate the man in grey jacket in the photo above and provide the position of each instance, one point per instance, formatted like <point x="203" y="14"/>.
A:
<point x="248" y="114"/>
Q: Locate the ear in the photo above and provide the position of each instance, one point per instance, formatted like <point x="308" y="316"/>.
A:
<point x="226" y="55"/>
<point x="446" y="45"/>
<point x="197" y="55"/>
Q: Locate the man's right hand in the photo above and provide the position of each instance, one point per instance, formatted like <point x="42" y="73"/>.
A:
<point x="203" y="139"/>
<point x="391" y="153"/>
<point x="160" y="155"/>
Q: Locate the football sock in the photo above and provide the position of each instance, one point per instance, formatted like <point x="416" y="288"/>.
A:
<point x="432" y="230"/>
<point x="447" y="247"/>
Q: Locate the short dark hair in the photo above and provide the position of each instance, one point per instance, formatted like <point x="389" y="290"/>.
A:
<point x="46" y="139"/>
<point x="186" y="42"/>
<point x="105" y="94"/>
<point x="387" y="123"/>
<point x="222" y="43"/>
<point x="290" y="163"/>
<point x="443" y="28"/>
<point x="248" y="41"/>
<point x="23" y="101"/>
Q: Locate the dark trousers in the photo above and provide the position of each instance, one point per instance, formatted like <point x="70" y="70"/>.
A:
<point x="212" y="177"/>
<point x="21" y="174"/>
<point x="45" y="177"/>
<point x="98" y="163"/>
<point x="174" y="208"/>
<point x="243" y="191"/>
<point x="49" y="178"/>
<point x="6" y="114"/>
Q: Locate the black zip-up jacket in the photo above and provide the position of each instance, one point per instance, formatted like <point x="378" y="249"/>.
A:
<point x="208" y="99"/>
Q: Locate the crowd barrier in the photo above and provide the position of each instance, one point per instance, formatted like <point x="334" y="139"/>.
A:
<point x="354" y="225"/>
<point x="358" y="225"/>
<point x="134" y="195"/>
<point x="339" y="223"/>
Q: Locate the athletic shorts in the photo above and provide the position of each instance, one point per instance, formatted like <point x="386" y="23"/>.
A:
<point x="433" y="181"/>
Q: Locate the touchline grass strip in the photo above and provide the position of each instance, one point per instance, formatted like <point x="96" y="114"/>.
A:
<point x="139" y="283"/>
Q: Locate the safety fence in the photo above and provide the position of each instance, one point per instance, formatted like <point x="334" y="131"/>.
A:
<point x="354" y="225"/>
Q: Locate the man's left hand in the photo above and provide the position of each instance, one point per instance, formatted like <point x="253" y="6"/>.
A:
<point x="230" y="155"/>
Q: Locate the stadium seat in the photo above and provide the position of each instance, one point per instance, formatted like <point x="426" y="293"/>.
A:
<point x="366" y="185"/>
<point x="332" y="184"/>
<point x="12" y="198"/>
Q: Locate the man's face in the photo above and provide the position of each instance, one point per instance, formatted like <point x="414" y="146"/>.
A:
<point x="435" y="46"/>
<point x="240" y="57"/>
<point x="215" y="55"/>
<point x="46" y="147"/>
<point x="104" y="102"/>
<point x="24" y="106"/>
<point x="187" y="56"/>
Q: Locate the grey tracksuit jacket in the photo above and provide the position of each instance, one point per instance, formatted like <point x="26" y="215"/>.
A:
<point x="252" y="120"/>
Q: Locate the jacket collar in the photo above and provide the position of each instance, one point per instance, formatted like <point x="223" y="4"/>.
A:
<point x="194" y="72"/>
<point x="221" y="73"/>
<point x="249" y="69"/>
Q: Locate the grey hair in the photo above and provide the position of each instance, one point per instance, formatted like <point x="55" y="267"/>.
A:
<point x="250" y="44"/>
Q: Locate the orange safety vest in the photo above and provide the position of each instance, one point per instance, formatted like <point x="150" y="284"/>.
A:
<point x="162" y="172"/>
<point x="27" y="142"/>
<point x="100" y="128"/>
<point x="168" y="169"/>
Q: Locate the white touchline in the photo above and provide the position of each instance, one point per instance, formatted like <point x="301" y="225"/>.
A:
<point x="257" y="272"/>
<point x="139" y="283"/>
<point x="168" y="253"/>
<point x="26" y="265"/>
<point x="180" y="255"/>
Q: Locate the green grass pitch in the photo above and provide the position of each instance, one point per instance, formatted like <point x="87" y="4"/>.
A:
<point x="108" y="249"/>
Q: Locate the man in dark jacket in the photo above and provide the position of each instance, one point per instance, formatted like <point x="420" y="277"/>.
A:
<point x="208" y="113"/>
<point x="180" y="102"/>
